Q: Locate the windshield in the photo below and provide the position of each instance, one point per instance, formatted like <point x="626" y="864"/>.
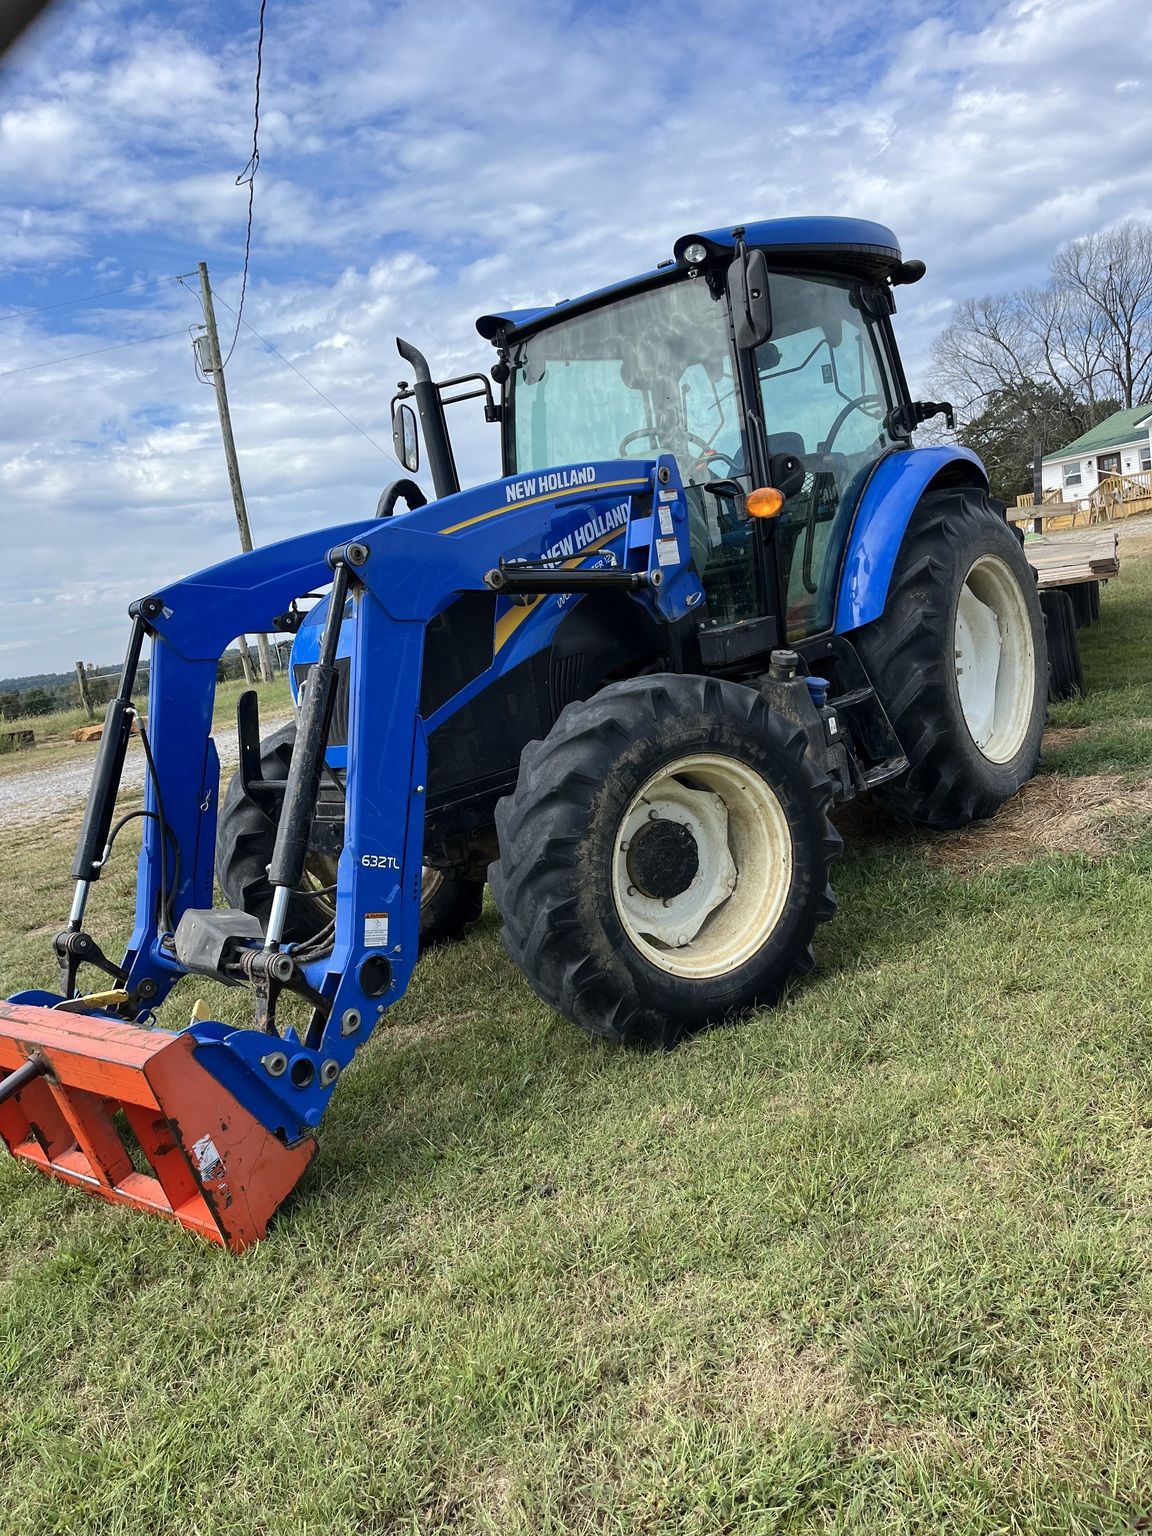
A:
<point x="646" y="375"/>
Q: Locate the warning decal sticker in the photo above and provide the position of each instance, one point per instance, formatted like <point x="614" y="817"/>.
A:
<point x="375" y="930"/>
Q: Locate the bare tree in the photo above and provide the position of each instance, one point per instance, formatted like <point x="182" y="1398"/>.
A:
<point x="1109" y="277"/>
<point x="1079" y="346"/>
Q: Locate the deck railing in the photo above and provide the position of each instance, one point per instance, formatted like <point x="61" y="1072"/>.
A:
<point x="1122" y="496"/>
<point x="1115" y="497"/>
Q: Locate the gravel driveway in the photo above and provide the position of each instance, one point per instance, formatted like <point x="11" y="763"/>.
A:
<point x="43" y="792"/>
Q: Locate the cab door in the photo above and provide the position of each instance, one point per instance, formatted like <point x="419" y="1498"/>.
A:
<point x="826" y="389"/>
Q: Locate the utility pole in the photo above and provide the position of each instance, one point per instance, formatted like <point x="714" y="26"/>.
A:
<point x="215" y="367"/>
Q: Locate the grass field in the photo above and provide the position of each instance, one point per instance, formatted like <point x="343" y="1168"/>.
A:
<point x="54" y="742"/>
<point x="878" y="1261"/>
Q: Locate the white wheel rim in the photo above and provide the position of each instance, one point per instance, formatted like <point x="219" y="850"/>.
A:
<point x="995" y="659"/>
<point x="430" y="882"/>
<point x="743" y="850"/>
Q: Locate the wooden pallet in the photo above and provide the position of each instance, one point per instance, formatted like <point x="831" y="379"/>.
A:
<point x="1065" y="559"/>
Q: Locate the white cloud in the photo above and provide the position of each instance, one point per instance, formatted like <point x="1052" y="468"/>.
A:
<point x="424" y="162"/>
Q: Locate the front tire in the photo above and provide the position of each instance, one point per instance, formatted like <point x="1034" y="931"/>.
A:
<point x="246" y="834"/>
<point x="958" y="659"/>
<point x="664" y="858"/>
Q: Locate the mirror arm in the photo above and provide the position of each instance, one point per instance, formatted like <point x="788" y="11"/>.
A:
<point x="492" y="411"/>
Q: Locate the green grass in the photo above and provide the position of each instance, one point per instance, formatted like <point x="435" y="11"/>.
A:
<point x="54" y="742"/>
<point x="1116" y="714"/>
<point x="878" y="1261"/>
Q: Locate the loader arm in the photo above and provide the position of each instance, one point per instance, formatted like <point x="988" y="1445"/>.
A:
<point x="398" y="575"/>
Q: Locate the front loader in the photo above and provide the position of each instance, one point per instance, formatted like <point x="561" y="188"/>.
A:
<point x="715" y="591"/>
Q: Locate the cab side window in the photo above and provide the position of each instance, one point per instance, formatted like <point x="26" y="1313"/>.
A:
<point x="826" y="394"/>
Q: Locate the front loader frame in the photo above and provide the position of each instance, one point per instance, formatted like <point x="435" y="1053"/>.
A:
<point x="389" y="579"/>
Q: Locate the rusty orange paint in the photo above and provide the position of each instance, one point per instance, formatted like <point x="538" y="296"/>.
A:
<point x="214" y="1168"/>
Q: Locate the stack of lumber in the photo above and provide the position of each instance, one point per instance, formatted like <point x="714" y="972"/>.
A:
<point x="1063" y="559"/>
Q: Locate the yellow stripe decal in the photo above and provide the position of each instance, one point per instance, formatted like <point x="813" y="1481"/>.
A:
<point x="508" y="623"/>
<point x="579" y="490"/>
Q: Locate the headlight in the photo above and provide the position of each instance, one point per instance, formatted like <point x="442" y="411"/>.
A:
<point x="695" y="253"/>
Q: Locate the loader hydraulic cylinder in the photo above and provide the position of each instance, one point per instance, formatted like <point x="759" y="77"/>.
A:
<point x="286" y="869"/>
<point x="109" y="762"/>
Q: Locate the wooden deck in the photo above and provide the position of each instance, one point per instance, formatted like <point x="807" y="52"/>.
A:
<point x="1065" y="559"/>
<point x="1116" y="497"/>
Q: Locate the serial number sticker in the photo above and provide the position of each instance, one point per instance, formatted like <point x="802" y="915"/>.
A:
<point x="666" y="520"/>
<point x="667" y="552"/>
<point x="375" y="930"/>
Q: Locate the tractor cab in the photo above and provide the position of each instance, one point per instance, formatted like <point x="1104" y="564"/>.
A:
<point x="762" y="358"/>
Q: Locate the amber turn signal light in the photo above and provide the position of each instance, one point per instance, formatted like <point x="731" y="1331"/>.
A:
<point x="765" y="502"/>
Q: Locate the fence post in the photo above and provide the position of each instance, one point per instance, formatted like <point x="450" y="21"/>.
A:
<point x="85" y="695"/>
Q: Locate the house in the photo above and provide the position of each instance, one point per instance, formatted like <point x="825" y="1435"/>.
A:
<point x="1120" y="445"/>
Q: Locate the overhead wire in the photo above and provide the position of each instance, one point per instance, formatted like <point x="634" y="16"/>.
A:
<point x="315" y="387"/>
<point x="75" y="357"/>
<point x="247" y="177"/>
<point x="95" y="298"/>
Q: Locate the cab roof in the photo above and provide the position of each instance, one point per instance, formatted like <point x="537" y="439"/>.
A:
<point x="856" y="246"/>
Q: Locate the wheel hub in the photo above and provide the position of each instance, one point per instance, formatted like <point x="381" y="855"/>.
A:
<point x="703" y="865"/>
<point x="663" y="858"/>
<point x="675" y="839"/>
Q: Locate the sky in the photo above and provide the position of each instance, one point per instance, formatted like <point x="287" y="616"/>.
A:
<point x="426" y="161"/>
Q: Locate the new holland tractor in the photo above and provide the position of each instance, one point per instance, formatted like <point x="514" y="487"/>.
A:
<point x="715" y="591"/>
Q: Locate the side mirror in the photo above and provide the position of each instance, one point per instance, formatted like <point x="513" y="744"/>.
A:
<point x="405" y="438"/>
<point x="749" y="299"/>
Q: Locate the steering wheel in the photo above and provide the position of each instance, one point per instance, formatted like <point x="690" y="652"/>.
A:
<point x="707" y="452"/>
<point x="853" y="405"/>
<point x="652" y="434"/>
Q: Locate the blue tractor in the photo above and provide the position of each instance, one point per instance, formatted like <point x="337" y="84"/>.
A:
<point x="715" y="592"/>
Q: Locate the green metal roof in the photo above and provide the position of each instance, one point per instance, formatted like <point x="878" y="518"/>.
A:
<point x="1113" y="432"/>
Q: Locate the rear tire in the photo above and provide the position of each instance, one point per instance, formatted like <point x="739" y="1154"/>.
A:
<point x="245" y="836"/>
<point x="1065" y="669"/>
<point x="664" y="858"/>
<point x="959" y="661"/>
<point x="1085" y="599"/>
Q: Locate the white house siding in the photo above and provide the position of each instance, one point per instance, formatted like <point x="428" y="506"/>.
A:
<point x="1052" y="475"/>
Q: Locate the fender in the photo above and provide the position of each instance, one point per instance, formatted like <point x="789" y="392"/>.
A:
<point x="882" y="515"/>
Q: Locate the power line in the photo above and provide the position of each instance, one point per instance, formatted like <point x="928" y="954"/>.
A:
<point x="75" y="357"/>
<point x="247" y="177"/>
<point x="95" y="298"/>
<point x="249" y="327"/>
